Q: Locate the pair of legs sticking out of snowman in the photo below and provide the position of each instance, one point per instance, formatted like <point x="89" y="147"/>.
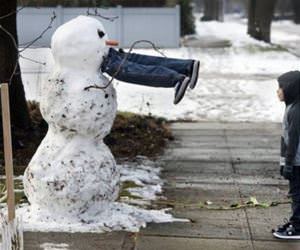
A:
<point x="152" y="71"/>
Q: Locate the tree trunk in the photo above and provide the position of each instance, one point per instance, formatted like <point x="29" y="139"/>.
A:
<point x="296" y="7"/>
<point x="187" y="19"/>
<point x="213" y="10"/>
<point x="9" y="61"/>
<point x="260" y="14"/>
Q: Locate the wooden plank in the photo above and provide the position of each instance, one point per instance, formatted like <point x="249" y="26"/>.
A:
<point x="8" y="151"/>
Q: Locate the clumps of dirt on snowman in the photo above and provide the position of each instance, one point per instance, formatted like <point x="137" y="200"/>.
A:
<point x="131" y="135"/>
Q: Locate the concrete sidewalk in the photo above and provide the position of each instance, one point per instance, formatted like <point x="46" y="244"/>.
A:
<point x="219" y="163"/>
<point x="225" y="163"/>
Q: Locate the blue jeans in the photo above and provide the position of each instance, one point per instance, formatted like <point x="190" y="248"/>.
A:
<point x="146" y="70"/>
<point x="294" y="194"/>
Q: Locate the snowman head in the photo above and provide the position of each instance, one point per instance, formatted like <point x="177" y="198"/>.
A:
<point x="79" y="44"/>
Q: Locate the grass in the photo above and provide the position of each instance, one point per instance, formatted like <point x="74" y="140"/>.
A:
<point x="124" y="193"/>
<point x="19" y="192"/>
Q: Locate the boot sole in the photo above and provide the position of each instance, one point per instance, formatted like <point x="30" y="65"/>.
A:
<point x="194" y="78"/>
<point x="279" y="236"/>
<point x="181" y="91"/>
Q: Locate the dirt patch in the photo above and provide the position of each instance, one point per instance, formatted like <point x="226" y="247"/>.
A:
<point x="134" y="135"/>
<point x="130" y="136"/>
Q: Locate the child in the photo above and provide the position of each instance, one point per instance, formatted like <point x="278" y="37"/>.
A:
<point x="152" y="71"/>
<point x="289" y="92"/>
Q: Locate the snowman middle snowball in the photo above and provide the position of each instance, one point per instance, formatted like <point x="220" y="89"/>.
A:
<point x="73" y="172"/>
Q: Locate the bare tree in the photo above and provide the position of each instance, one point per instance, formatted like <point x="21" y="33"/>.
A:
<point x="9" y="67"/>
<point x="260" y="14"/>
<point x="213" y="10"/>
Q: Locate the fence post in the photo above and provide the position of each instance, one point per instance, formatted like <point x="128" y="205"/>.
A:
<point x="60" y="14"/>
<point x="9" y="172"/>
<point x="120" y="25"/>
<point x="178" y="25"/>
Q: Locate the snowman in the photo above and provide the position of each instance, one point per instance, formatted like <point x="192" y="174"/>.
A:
<point x="73" y="173"/>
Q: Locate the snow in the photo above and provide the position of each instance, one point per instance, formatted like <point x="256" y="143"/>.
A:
<point x="128" y="213"/>
<point x="280" y="31"/>
<point x="118" y="215"/>
<point x="54" y="246"/>
<point x="146" y="177"/>
<point x="235" y="84"/>
<point x="11" y="233"/>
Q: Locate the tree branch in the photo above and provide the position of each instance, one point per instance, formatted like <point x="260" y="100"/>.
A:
<point x="12" y="13"/>
<point x="27" y="45"/>
<point x="32" y="60"/>
<point x="19" y="55"/>
<point x="111" y="19"/>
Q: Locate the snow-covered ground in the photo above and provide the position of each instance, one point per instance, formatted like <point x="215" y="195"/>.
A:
<point x="235" y="28"/>
<point x="235" y="84"/>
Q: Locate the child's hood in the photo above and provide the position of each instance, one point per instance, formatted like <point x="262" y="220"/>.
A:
<point x="290" y="84"/>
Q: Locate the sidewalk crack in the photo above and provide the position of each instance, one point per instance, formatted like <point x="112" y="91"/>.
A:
<point x="234" y="175"/>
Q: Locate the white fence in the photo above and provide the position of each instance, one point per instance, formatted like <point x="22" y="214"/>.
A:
<point x="159" y="25"/>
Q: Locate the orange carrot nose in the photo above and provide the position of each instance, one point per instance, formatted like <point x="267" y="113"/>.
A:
<point x="112" y="43"/>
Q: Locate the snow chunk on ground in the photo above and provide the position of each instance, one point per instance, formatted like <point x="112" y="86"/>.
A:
<point x="53" y="246"/>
